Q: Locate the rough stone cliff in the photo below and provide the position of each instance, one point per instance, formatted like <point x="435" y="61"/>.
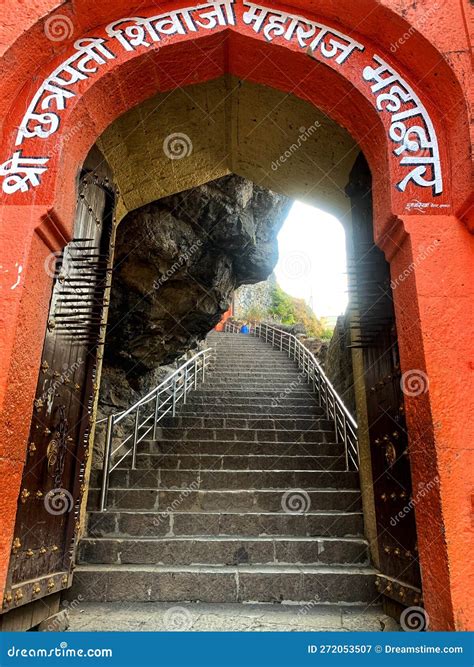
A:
<point x="177" y="264"/>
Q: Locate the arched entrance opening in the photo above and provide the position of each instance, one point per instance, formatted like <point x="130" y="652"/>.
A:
<point x="411" y="172"/>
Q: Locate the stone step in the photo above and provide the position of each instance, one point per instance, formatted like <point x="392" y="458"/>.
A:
<point x="230" y="617"/>
<point x="261" y="388"/>
<point x="238" y="369"/>
<point x="250" y="412"/>
<point x="228" y="480"/>
<point x="114" y="523"/>
<point x="242" y="366"/>
<point x="291" y="378"/>
<point x="242" y="422"/>
<point x="210" y="394"/>
<point x="218" y="550"/>
<point x="222" y="447"/>
<point x="179" y="460"/>
<point x="313" y="435"/>
<point x="262" y="403"/>
<point x="218" y="500"/>
<point x="262" y="384"/>
<point x="244" y="583"/>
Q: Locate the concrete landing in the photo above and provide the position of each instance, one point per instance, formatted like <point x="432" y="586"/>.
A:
<point x="197" y="617"/>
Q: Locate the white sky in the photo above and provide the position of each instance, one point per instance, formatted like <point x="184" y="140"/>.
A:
<point x="313" y="259"/>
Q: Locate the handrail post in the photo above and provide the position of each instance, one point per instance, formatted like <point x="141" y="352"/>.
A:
<point x="203" y="368"/>
<point x="135" y="438"/>
<point x="346" y="447"/>
<point x="185" y="385"/>
<point x="105" y="470"/>
<point x="196" y="373"/>
<point x="174" y="397"/>
<point x="157" y="410"/>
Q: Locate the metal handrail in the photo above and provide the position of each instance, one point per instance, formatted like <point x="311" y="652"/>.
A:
<point x="328" y="398"/>
<point x="161" y="401"/>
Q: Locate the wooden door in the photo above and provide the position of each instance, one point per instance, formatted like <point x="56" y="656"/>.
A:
<point x="374" y="331"/>
<point x="53" y="477"/>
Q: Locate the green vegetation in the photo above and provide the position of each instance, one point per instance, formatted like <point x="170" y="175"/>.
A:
<point x="289" y="310"/>
<point x="286" y="309"/>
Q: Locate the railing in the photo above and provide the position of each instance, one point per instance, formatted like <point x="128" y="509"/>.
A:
<point x="344" y="424"/>
<point x="143" y="417"/>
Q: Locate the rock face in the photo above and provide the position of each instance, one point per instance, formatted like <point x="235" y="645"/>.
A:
<point x="177" y="264"/>
<point x="178" y="261"/>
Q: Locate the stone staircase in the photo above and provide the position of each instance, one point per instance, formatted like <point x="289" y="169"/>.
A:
<point x="243" y="498"/>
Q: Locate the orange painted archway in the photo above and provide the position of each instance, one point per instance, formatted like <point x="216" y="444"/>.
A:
<point x="408" y="115"/>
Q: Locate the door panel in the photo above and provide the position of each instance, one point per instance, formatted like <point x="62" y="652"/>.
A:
<point x="53" y="477"/>
<point x="374" y="330"/>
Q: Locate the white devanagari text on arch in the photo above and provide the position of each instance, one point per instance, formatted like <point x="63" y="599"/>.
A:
<point x="410" y="130"/>
<point x="417" y="142"/>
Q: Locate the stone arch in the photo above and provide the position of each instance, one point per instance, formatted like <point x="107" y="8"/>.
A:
<point x="38" y="220"/>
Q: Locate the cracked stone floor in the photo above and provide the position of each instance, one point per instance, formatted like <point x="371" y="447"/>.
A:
<point x="197" y="617"/>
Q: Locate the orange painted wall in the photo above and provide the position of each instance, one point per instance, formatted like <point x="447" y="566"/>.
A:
<point x="432" y="305"/>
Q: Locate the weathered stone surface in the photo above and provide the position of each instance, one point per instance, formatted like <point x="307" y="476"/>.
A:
<point x="149" y="616"/>
<point x="177" y="263"/>
<point x="57" y="623"/>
